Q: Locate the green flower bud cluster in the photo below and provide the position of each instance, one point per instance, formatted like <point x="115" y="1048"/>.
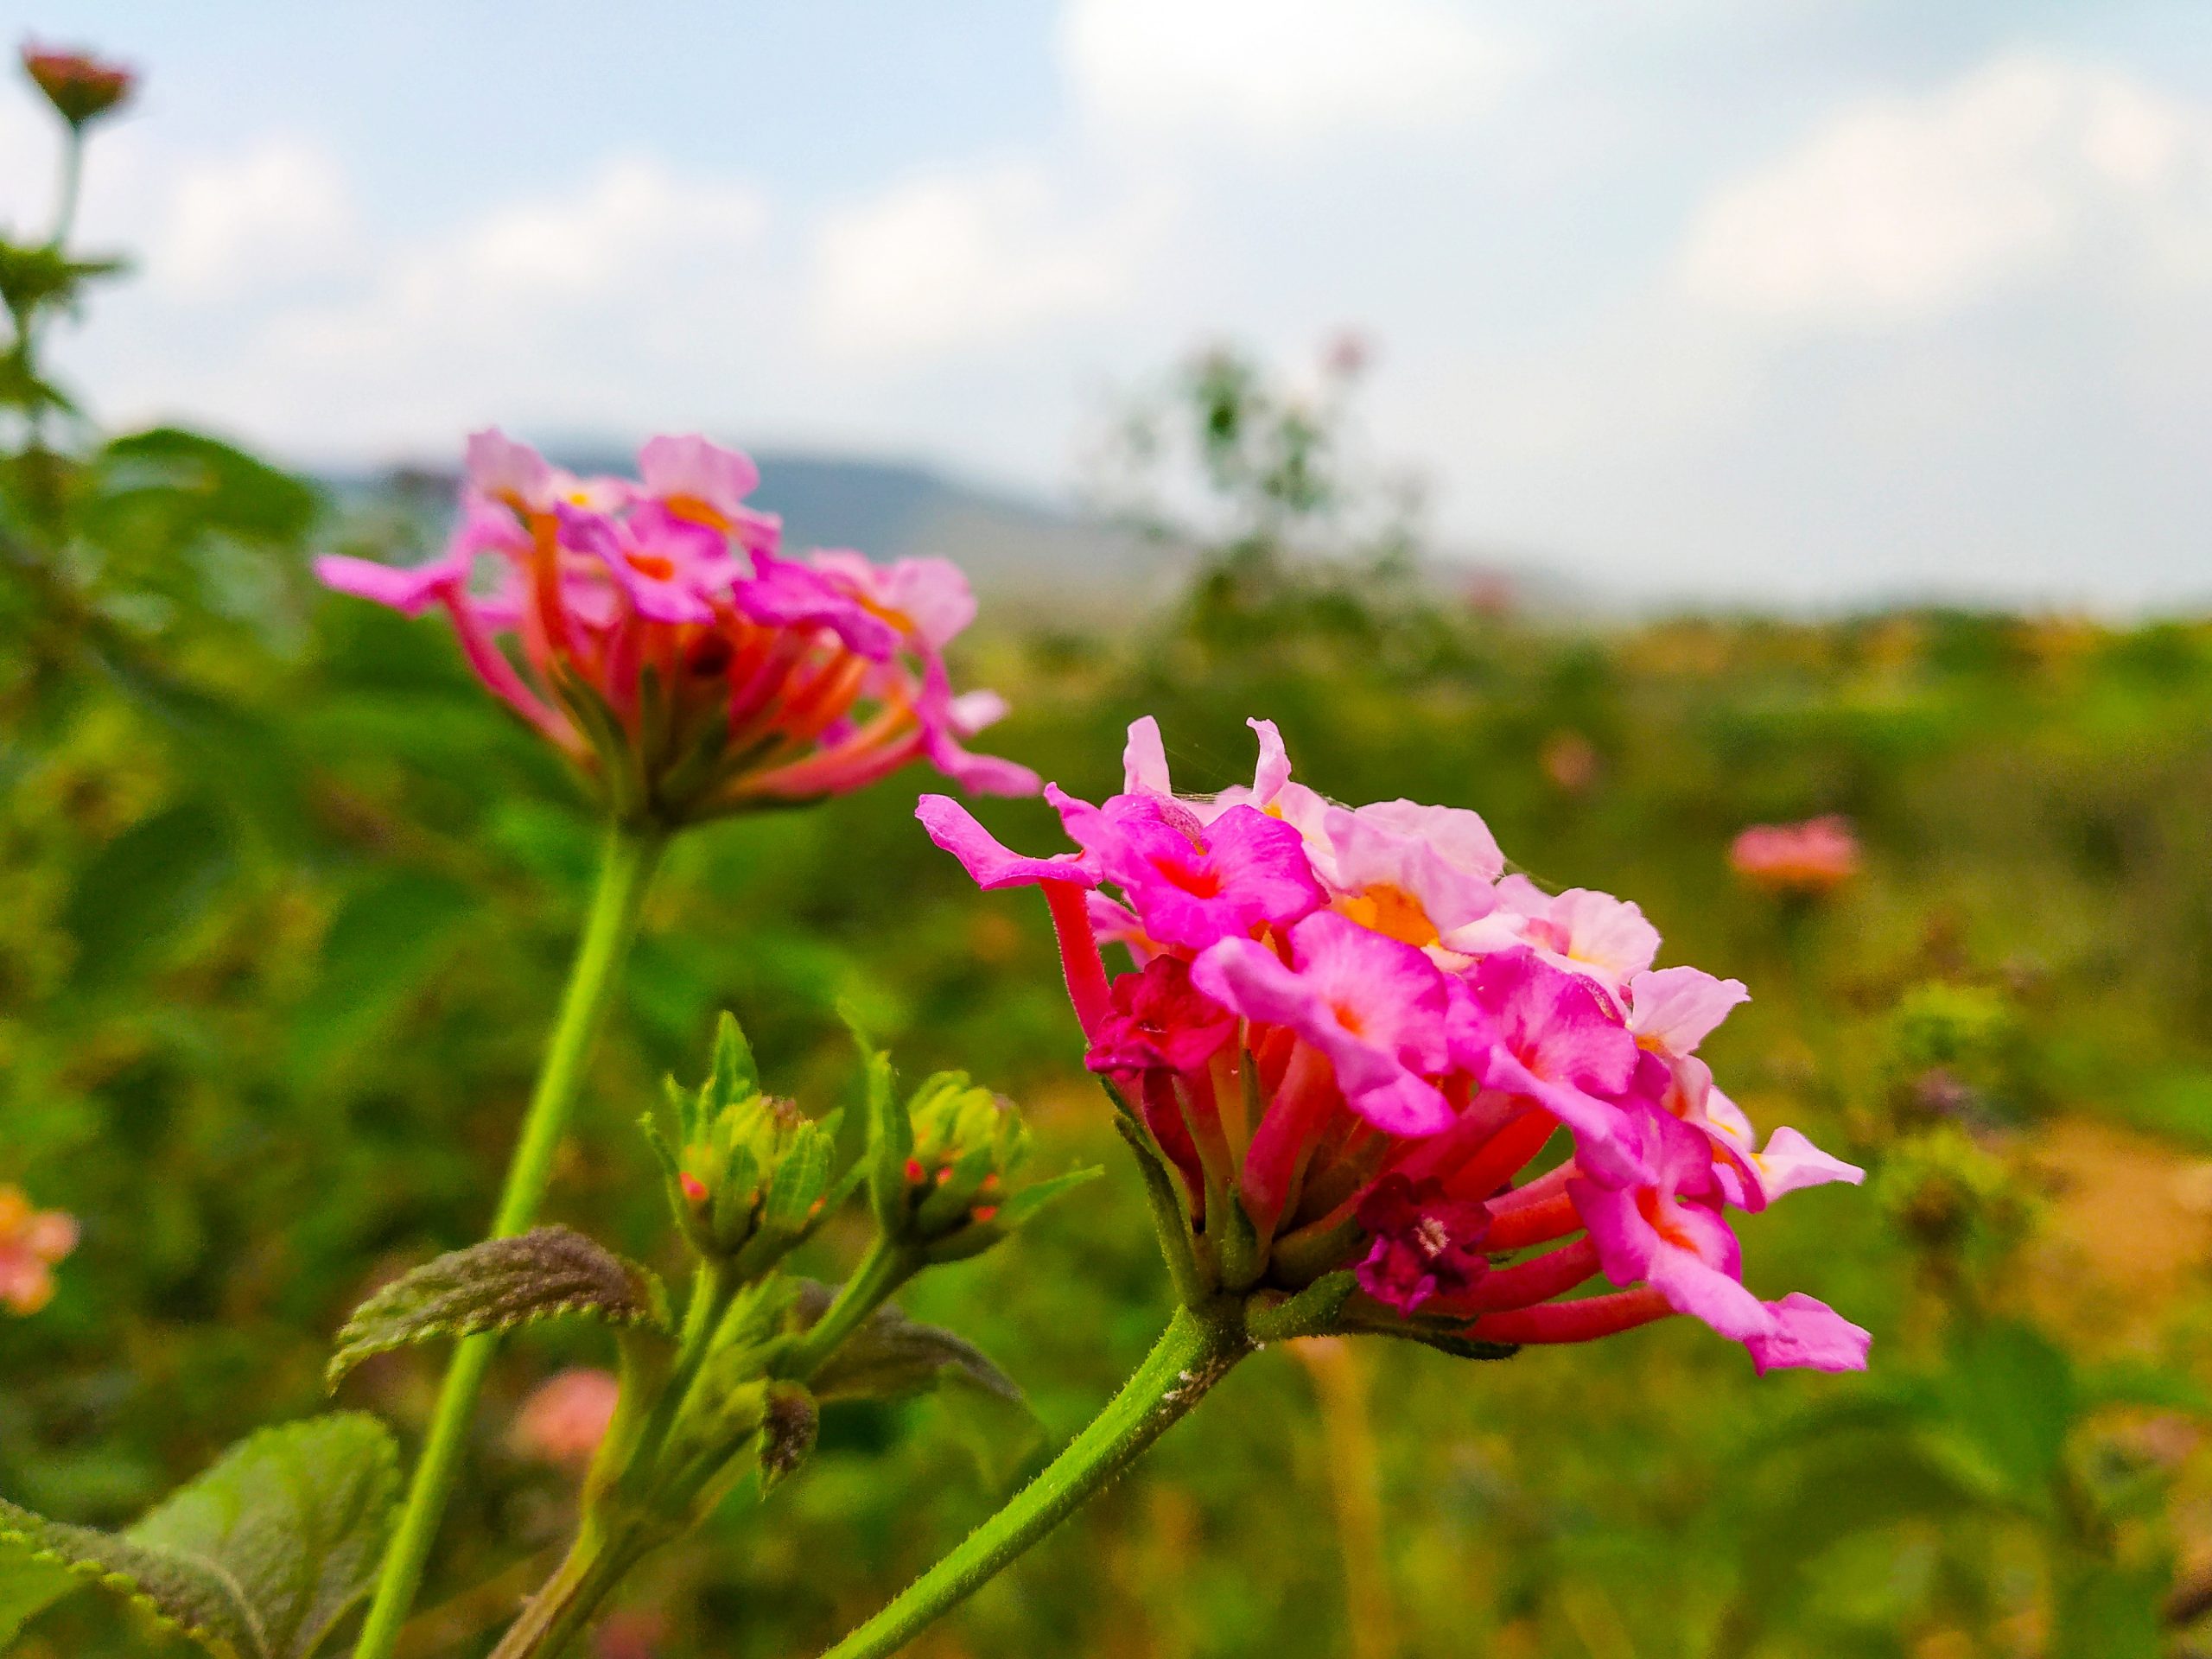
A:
<point x="751" y="1176"/>
<point x="941" y="1168"/>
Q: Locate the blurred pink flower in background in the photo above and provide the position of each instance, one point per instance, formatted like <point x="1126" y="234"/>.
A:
<point x="565" y="1421"/>
<point x="653" y="630"/>
<point x="1812" y="857"/>
<point x="31" y="1242"/>
<point x="632" y="1633"/>
<point x="81" y="87"/>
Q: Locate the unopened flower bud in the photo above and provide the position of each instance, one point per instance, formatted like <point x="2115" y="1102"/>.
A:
<point x="751" y="1176"/>
<point x="967" y="1141"/>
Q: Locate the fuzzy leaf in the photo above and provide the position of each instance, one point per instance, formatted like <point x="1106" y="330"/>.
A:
<point x="893" y="1355"/>
<point x="788" y="1427"/>
<point x="262" y="1556"/>
<point x="28" y="1587"/>
<point x="550" y="1274"/>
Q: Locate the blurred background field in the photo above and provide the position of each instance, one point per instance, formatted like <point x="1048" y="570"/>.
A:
<point x="285" y="901"/>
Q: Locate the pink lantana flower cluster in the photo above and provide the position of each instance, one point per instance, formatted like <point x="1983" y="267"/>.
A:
<point x="1351" y="1033"/>
<point x="653" y="629"/>
<point x="1812" y="857"/>
<point x="31" y="1242"/>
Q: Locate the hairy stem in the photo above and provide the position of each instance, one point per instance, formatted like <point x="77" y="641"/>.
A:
<point x="1195" y="1352"/>
<point x="625" y="872"/>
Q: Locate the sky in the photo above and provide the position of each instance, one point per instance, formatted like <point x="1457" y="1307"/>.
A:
<point x="1766" y="301"/>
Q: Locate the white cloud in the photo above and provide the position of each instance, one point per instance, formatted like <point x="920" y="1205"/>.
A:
<point x="1909" y="207"/>
<point x="570" y="307"/>
<point x="960" y="261"/>
<point x="279" y="211"/>
<point x="1280" y="73"/>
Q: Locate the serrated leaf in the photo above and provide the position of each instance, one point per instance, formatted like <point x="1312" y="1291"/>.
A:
<point x="549" y="1274"/>
<point x="262" y="1556"/>
<point x="28" y="1587"/>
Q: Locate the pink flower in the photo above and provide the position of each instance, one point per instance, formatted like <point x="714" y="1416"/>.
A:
<point x="1548" y="1039"/>
<point x="1371" y="1004"/>
<point x="631" y="1633"/>
<point x="1669" y="1233"/>
<point x="651" y="630"/>
<point x="1426" y="1243"/>
<point x="31" y="1243"/>
<point x="1194" y="880"/>
<point x="1307" y="1044"/>
<point x="565" y="1419"/>
<point x="1605" y="939"/>
<point x="1671" y="1012"/>
<point x="80" y="87"/>
<point x="1812" y="857"/>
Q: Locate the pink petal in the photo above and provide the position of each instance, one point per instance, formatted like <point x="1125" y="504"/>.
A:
<point x="409" y="592"/>
<point x="1790" y="1161"/>
<point x="509" y="471"/>
<point x="1272" y="770"/>
<point x="707" y="473"/>
<point x="1144" y="760"/>
<point x="1374" y="1007"/>
<point x="1809" y="1334"/>
<point x="1676" y="1008"/>
<point x="952" y="827"/>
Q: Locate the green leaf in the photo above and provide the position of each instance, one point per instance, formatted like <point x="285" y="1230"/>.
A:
<point x="28" y="1587"/>
<point x="2012" y="1393"/>
<point x="734" y="1076"/>
<point x="170" y="484"/>
<point x="1023" y="1205"/>
<point x="2103" y="1611"/>
<point x="381" y="944"/>
<point x="550" y="1274"/>
<point x="262" y="1556"/>
<point x="893" y="1355"/>
<point x="890" y="1132"/>
<point x="146" y="885"/>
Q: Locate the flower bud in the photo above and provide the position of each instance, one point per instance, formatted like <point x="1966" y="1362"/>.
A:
<point x="81" y="87"/>
<point x="967" y="1144"/>
<point x="750" y="1179"/>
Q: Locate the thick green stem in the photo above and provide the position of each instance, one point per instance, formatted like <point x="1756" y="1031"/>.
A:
<point x="559" y="1612"/>
<point x="1195" y="1352"/>
<point x="626" y="870"/>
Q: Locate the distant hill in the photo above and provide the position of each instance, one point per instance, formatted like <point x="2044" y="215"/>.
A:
<point x="1022" y="551"/>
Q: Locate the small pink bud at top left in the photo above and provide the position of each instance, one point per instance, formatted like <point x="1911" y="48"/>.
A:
<point x="80" y="87"/>
<point x="695" y="1190"/>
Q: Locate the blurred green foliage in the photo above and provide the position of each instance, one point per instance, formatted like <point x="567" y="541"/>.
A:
<point x="285" y="901"/>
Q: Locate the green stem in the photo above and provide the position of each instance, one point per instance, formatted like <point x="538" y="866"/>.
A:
<point x="559" y="1612"/>
<point x="72" y="175"/>
<point x="624" y="872"/>
<point x="1195" y="1352"/>
<point x="886" y="1267"/>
